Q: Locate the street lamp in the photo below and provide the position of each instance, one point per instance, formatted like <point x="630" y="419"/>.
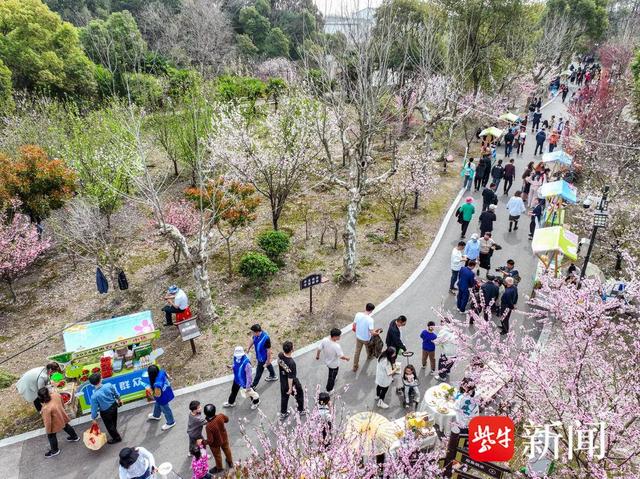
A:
<point x="600" y="220"/>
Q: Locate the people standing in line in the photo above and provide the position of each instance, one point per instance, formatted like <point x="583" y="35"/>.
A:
<point x="457" y="261"/>
<point x="136" y="463"/>
<point x="429" y="347"/>
<point x="515" y="207"/>
<point x="489" y="196"/>
<point x="364" y="329"/>
<point x="105" y="400"/>
<point x="289" y="382"/>
<point x="466" y="280"/>
<point x="195" y="423"/>
<point x="55" y="419"/>
<point x="199" y="461"/>
<point x="465" y="213"/>
<point x="242" y="379"/>
<point x="487" y="218"/>
<point x="332" y="355"/>
<point x="497" y="172"/>
<point x="177" y="302"/>
<point x="509" y="137"/>
<point x="261" y="342"/>
<point x="394" y="334"/>
<point x="553" y="140"/>
<point x="385" y="371"/>
<point x="33" y="380"/>
<point x="163" y="394"/>
<point x="508" y="175"/>
<point x="508" y="302"/>
<point x="467" y="173"/>
<point x="487" y="247"/>
<point x="217" y="437"/>
<point x="522" y="139"/>
<point x="483" y="165"/>
<point x="535" y="122"/>
<point x="536" y="215"/>
<point x="541" y="137"/>
<point x="472" y="248"/>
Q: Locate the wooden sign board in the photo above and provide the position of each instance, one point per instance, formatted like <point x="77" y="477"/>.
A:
<point x="311" y="280"/>
<point x="189" y="329"/>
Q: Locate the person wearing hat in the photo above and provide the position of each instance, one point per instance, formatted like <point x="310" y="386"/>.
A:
<point x="261" y="342"/>
<point x="464" y="214"/>
<point x="105" y="400"/>
<point x="217" y="437"/>
<point x="177" y="302"/>
<point x="242" y="375"/>
<point x="136" y="463"/>
<point x="30" y="382"/>
<point x="487" y="218"/>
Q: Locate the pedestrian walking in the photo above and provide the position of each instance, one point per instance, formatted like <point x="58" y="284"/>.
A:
<point x="466" y="280"/>
<point x="261" y="342"/>
<point x="483" y="165"/>
<point x="487" y="170"/>
<point x="489" y="197"/>
<point x="487" y="218"/>
<point x="55" y="419"/>
<point x="364" y="329"/>
<point x="195" y="423"/>
<point x="163" y="394"/>
<point x="457" y="261"/>
<point x="242" y="379"/>
<point x="508" y="302"/>
<point x="289" y="382"/>
<point x="487" y="247"/>
<point x="217" y="437"/>
<point x="472" y="248"/>
<point x="515" y="207"/>
<point x="535" y="182"/>
<point x="464" y="214"/>
<point x="385" y="371"/>
<point x="553" y="140"/>
<point x="522" y="140"/>
<point x="509" y="137"/>
<point x="536" y="216"/>
<point x="105" y="401"/>
<point x="541" y="137"/>
<point x="497" y="172"/>
<point x="565" y="91"/>
<point x="394" y="334"/>
<point x="429" y="347"/>
<point x="509" y="175"/>
<point x="467" y="173"/>
<point x="535" y="123"/>
<point x="33" y="380"/>
<point x="332" y="355"/>
<point x="177" y="302"/>
<point x="525" y="178"/>
<point x="136" y="463"/>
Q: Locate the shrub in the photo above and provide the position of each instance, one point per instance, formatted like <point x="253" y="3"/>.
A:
<point x="274" y="244"/>
<point x="144" y="89"/>
<point x="256" y="266"/>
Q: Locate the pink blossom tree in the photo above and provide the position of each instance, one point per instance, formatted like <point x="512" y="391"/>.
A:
<point x="20" y="246"/>
<point x="583" y="371"/>
<point x="415" y="177"/>
<point x="184" y="217"/>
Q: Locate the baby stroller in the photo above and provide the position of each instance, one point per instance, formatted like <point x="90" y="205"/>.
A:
<point x="410" y="388"/>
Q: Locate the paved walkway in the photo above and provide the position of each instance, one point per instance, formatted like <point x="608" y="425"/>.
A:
<point x="24" y="459"/>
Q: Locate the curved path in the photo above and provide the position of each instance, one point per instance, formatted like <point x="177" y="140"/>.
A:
<point x="22" y="456"/>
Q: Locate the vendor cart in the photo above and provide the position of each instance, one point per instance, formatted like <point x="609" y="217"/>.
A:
<point x="554" y="246"/>
<point x="120" y="349"/>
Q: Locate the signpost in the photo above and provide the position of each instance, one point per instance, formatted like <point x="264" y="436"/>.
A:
<point x="189" y="330"/>
<point x="309" y="282"/>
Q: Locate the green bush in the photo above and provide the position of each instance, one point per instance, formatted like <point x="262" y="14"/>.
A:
<point x="274" y="244"/>
<point x="256" y="266"/>
<point x="144" y="89"/>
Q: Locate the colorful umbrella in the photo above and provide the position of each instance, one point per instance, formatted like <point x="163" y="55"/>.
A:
<point x="493" y="131"/>
<point x="555" y="239"/>
<point x="559" y="188"/>
<point x="509" y="117"/>
<point x="370" y="433"/>
<point x="558" y="156"/>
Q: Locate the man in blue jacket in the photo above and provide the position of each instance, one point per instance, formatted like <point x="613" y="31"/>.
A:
<point x="105" y="400"/>
<point x="242" y="379"/>
<point x="261" y="342"/>
<point x="466" y="280"/>
<point x="541" y="137"/>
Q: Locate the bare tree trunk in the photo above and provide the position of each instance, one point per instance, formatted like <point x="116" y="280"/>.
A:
<point x="230" y="268"/>
<point x="349" y="237"/>
<point x="416" y="195"/>
<point x="396" y="232"/>
<point x="14" y="297"/>
<point x="206" y="309"/>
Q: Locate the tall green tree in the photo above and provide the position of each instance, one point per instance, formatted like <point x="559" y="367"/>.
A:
<point x="6" y="90"/>
<point x="43" y="52"/>
<point x="589" y="19"/>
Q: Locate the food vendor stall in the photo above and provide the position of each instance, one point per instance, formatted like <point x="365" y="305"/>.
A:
<point x="554" y="246"/>
<point x="120" y="349"/>
<point x="557" y="195"/>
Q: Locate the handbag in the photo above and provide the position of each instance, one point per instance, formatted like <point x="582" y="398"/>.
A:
<point x="459" y="215"/>
<point x="93" y="438"/>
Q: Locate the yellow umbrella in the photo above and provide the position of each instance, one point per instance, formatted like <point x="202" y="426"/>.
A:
<point x="509" y="117"/>
<point x="493" y="131"/>
<point x="370" y="433"/>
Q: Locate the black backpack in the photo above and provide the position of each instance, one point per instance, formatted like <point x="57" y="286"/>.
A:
<point x="122" y="281"/>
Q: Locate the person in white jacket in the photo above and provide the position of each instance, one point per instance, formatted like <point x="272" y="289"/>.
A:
<point x="515" y="207"/>
<point x="447" y="343"/>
